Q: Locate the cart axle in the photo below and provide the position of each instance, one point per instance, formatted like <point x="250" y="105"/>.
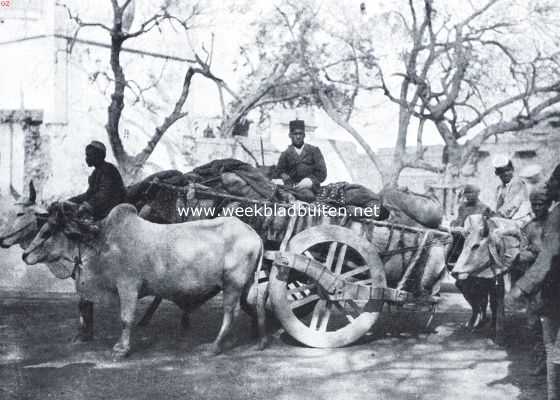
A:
<point x="336" y="287"/>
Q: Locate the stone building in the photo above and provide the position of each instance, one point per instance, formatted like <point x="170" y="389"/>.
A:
<point x="58" y="83"/>
<point x="539" y="145"/>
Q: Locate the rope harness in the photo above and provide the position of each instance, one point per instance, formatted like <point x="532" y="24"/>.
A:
<point x="78" y="262"/>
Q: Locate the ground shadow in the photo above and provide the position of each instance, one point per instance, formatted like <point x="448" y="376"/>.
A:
<point x="398" y="359"/>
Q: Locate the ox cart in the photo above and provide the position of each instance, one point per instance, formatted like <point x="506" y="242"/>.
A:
<point x="329" y="277"/>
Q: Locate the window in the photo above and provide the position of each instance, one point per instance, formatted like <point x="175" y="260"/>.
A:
<point x="525" y="154"/>
<point x="481" y="154"/>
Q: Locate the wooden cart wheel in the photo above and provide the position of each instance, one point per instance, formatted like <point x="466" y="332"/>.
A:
<point x="301" y="305"/>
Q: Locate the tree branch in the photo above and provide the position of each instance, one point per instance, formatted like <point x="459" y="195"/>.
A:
<point x="498" y="106"/>
<point x="76" y="18"/>
<point x="173" y="117"/>
<point x="421" y="164"/>
<point x="117" y="97"/>
<point x="536" y="115"/>
<point x="476" y="14"/>
<point x="343" y="123"/>
<point x="356" y="86"/>
<point x="147" y="25"/>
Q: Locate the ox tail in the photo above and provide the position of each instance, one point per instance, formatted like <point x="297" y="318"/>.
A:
<point x="261" y="297"/>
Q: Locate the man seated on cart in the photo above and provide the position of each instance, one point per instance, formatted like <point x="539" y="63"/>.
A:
<point x="301" y="166"/>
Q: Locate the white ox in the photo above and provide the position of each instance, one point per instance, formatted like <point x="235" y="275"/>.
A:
<point x="186" y="263"/>
<point x="490" y="249"/>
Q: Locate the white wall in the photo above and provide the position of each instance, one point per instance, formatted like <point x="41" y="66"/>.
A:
<point x="11" y="158"/>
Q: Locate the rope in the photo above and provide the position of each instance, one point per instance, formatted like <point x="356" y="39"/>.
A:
<point x="400" y="250"/>
<point x="412" y="265"/>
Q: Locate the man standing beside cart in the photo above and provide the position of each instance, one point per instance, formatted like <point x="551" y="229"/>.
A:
<point x="474" y="289"/>
<point x="470" y="205"/>
<point x="529" y="251"/>
<point x="544" y="277"/>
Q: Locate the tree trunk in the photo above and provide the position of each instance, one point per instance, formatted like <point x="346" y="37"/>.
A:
<point x="400" y="149"/>
<point x="340" y="121"/>
<point x="117" y="103"/>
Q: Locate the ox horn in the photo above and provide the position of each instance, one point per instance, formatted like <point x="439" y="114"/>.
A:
<point x="485" y="227"/>
<point x="15" y="194"/>
<point x="32" y="193"/>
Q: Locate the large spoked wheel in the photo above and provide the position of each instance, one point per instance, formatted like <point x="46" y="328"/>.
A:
<point x="301" y="304"/>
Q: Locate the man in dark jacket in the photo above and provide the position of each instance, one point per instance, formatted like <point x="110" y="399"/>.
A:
<point x="544" y="276"/>
<point x="530" y="248"/>
<point x="105" y="191"/>
<point x="106" y="187"/>
<point x="302" y="166"/>
<point x="553" y="185"/>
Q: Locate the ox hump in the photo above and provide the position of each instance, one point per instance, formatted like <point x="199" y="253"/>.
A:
<point x="121" y="212"/>
<point x="504" y="222"/>
<point x="237" y="228"/>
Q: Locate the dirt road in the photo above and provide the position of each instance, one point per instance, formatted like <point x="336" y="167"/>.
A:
<point x="394" y="362"/>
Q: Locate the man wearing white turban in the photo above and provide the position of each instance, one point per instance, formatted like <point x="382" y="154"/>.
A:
<point x="512" y="198"/>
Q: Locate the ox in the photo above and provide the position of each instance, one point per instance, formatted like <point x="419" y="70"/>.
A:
<point x="26" y="222"/>
<point x="22" y="228"/>
<point x="490" y="248"/>
<point x="129" y="257"/>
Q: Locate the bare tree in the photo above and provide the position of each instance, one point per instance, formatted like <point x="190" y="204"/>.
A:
<point x="270" y="76"/>
<point x="453" y="86"/>
<point x="448" y="78"/>
<point x="119" y="32"/>
<point x="132" y="164"/>
<point x="290" y="41"/>
<point x="467" y="78"/>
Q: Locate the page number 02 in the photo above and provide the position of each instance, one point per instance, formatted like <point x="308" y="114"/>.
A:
<point x="5" y="3"/>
